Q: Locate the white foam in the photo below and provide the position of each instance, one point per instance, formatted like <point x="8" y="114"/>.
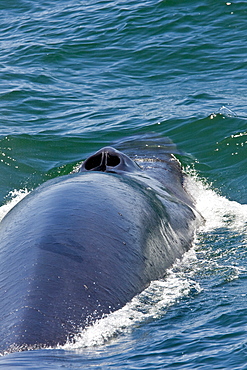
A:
<point x="16" y="196"/>
<point x="217" y="210"/>
<point x="150" y="304"/>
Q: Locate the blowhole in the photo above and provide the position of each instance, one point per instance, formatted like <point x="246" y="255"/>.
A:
<point x="112" y="160"/>
<point x="93" y="162"/>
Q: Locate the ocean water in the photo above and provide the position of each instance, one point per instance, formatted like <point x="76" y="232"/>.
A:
<point x="78" y="75"/>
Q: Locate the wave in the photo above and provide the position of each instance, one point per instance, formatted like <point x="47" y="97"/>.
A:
<point x="217" y="210"/>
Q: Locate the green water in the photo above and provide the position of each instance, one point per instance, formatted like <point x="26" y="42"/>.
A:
<point x="76" y="76"/>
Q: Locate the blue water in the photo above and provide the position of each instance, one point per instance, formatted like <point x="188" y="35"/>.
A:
<point x="78" y="75"/>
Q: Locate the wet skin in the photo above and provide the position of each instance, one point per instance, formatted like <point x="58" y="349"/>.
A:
<point x="83" y="245"/>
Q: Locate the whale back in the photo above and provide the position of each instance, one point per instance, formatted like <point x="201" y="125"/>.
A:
<point x="82" y="246"/>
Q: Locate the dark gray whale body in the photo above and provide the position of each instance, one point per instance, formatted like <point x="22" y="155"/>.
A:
<point x="83" y="245"/>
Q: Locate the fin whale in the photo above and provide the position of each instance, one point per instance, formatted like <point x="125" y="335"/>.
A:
<point x="83" y="245"/>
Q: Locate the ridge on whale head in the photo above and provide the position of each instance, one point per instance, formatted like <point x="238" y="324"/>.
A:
<point x="109" y="159"/>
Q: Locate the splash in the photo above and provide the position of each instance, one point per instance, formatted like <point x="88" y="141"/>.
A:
<point x="15" y="197"/>
<point x="148" y="305"/>
<point x="217" y="210"/>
